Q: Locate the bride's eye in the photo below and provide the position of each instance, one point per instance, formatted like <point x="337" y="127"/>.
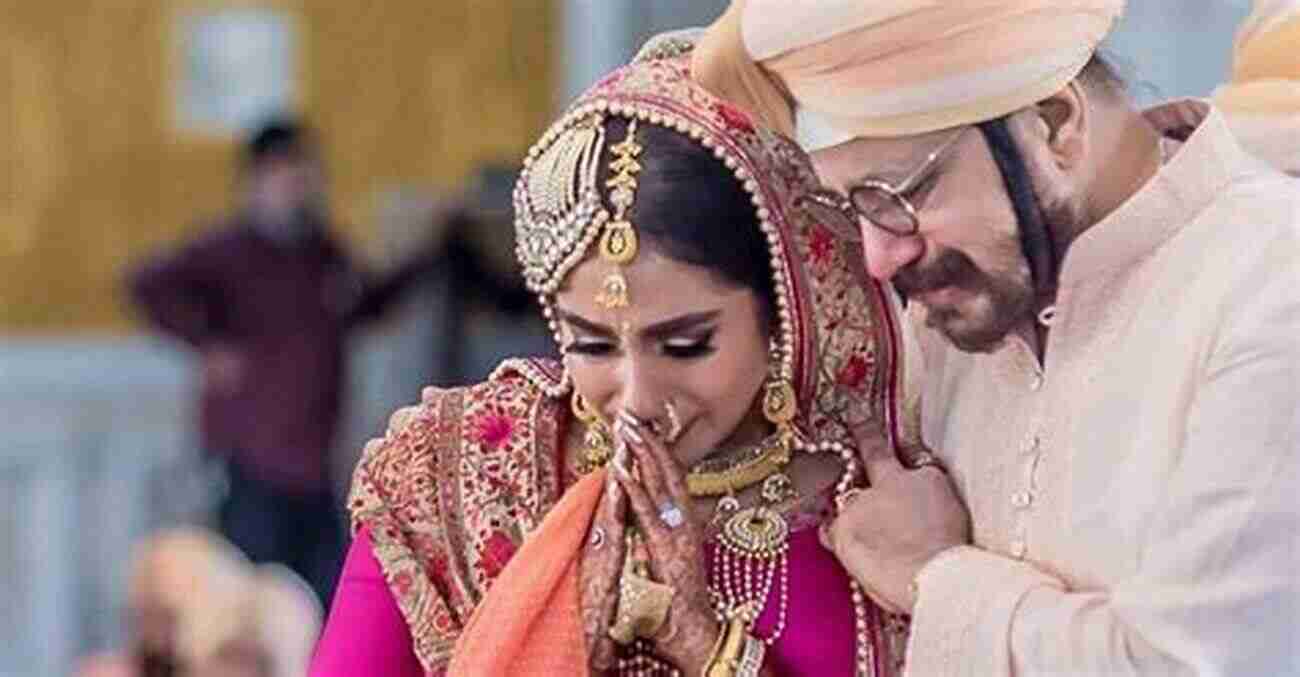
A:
<point x="592" y="348"/>
<point x="685" y="348"/>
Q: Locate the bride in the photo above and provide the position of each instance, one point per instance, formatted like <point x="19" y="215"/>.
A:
<point x="650" y="504"/>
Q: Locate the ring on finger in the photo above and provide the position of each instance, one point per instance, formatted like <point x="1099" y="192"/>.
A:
<point x="597" y="538"/>
<point x="671" y="515"/>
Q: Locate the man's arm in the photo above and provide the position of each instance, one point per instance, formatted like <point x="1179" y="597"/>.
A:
<point x="177" y="294"/>
<point x="1216" y="591"/>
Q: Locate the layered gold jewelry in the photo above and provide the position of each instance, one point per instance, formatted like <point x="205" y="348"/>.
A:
<point x="736" y="652"/>
<point x="729" y="474"/>
<point x="751" y="556"/>
<point x="739" y="471"/>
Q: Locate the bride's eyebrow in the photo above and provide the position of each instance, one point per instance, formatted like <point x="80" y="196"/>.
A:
<point x="658" y="330"/>
<point x="680" y="324"/>
<point x="586" y="325"/>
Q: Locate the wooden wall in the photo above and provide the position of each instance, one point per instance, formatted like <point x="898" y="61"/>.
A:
<point x="94" y="174"/>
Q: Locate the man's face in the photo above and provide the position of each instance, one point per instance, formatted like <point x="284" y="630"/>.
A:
<point x="285" y="188"/>
<point x="964" y="264"/>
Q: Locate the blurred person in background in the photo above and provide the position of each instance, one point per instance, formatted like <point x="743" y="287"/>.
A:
<point x="266" y="629"/>
<point x="485" y="313"/>
<point x="1262" y="99"/>
<point x="266" y="300"/>
<point x="175" y="576"/>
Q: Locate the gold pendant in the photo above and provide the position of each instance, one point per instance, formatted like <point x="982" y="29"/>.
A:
<point x="613" y="293"/>
<point x="758" y="533"/>
<point x="726" y="505"/>
<point x="779" y="405"/>
<point x="778" y="488"/>
<point x="619" y="243"/>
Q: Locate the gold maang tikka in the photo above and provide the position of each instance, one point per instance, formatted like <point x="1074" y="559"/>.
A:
<point x="618" y="244"/>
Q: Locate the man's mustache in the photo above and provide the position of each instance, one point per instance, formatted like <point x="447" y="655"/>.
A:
<point x="951" y="268"/>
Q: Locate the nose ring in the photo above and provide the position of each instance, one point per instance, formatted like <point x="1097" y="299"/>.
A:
<point x="670" y="427"/>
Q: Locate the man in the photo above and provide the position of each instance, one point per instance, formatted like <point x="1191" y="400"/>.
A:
<point x="1105" y="337"/>
<point x="1262" y="100"/>
<point x="267" y="301"/>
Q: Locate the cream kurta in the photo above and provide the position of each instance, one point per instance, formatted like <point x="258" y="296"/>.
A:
<point x="1134" y="501"/>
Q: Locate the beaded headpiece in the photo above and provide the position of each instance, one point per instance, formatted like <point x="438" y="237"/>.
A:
<point x="834" y="346"/>
<point x="835" y="341"/>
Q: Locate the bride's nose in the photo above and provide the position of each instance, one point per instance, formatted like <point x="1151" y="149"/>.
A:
<point x="642" y="394"/>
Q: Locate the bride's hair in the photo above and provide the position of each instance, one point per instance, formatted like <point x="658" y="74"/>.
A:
<point x="690" y="208"/>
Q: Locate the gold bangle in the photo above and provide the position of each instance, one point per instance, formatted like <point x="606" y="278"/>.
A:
<point x="713" y="653"/>
<point x="728" y="650"/>
<point x="751" y="663"/>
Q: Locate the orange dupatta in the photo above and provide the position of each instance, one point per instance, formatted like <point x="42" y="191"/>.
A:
<point x="530" y="621"/>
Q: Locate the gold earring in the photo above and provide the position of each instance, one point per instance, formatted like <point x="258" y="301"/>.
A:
<point x="780" y="407"/>
<point x="598" y="442"/>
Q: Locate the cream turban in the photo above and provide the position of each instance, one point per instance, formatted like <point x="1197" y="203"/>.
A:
<point x="1262" y="101"/>
<point x="888" y="68"/>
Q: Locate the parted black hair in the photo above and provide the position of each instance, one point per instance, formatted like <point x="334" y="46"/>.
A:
<point x="690" y="208"/>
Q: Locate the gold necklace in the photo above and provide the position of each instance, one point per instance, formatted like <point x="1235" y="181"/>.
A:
<point x="736" y="472"/>
<point x="751" y="554"/>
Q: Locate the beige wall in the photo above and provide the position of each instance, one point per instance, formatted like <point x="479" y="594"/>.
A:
<point x="93" y="173"/>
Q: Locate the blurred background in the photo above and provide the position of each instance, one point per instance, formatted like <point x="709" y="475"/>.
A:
<point x="123" y="130"/>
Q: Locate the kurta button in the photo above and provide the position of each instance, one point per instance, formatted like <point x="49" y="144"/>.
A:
<point x="1022" y="499"/>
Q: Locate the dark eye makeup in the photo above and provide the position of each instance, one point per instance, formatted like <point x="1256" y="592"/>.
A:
<point x="678" y="347"/>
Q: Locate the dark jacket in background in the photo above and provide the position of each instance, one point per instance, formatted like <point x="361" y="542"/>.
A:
<point x="286" y="307"/>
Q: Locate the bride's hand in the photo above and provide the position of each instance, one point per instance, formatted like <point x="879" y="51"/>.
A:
<point x="602" y="561"/>
<point x="675" y="542"/>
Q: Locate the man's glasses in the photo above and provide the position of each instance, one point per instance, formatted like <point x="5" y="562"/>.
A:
<point x="885" y="205"/>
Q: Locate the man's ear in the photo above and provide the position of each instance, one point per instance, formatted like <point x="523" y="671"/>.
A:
<point x="1064" y="119"/>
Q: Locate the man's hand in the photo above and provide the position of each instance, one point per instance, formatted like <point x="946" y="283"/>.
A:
<point x="888" y="532"/>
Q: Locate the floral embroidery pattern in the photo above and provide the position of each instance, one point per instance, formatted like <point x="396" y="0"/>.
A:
<point x="855" y="371"/>
<point x="447" y="508"/>
<point x="459" y="480"/>
<point x="821" y="245"/>
<point x="734" y="119"/>
<point x="497" y="551"/>
<point x="494" y="430"/>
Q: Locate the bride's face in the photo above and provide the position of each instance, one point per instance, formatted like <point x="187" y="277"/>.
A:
<point x="687" y="337"/>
